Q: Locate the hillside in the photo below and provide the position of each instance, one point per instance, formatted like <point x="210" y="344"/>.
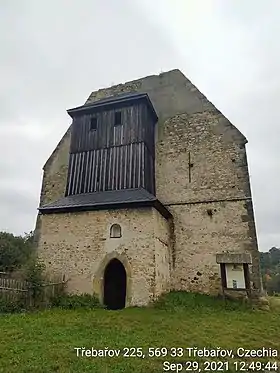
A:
<point x="270" y="268"/>
<point x="44" y="342"/>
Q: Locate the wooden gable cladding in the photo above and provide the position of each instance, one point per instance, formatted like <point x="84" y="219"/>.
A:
<point x="112" y="148"/>
<point x="136" y="126"/>
<point x="119" y="167"/>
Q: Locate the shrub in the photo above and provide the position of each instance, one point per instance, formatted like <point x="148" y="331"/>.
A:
<point x="15" y="251"/>
<point x="75" y="301"/>
<point x="34" y="276"/>
<point x="12" y="305"/>
<point x="34" y="272"/>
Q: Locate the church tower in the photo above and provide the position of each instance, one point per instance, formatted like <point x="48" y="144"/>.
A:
<point x="149" y="191"/>
<point x="112" y="146"/>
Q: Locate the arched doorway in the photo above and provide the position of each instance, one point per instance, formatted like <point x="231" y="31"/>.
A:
<point x="114" y="285"/>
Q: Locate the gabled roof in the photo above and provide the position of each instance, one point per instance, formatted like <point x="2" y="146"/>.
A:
<point x="171" y="93"/>
<point x="118" y="100"/>
<point x="125" y="198"/>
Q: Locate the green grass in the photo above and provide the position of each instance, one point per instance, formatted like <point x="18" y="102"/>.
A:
<point x="275" y="303"/>
<point x="44" y="342"/>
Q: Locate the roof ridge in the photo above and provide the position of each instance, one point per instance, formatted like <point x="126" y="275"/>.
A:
<point x="114" y="100"/>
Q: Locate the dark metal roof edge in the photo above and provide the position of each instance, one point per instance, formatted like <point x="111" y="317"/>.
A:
<point x="110" y="206"/>
<point x="111" y="100"/>
<point x="162" y="209"/>
<point x="140" y="189"/>
<point x="153" y="203"/>
<point x="116" y="100"/>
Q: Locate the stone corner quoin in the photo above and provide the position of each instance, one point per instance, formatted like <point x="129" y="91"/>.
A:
<point x="157" y="159"/>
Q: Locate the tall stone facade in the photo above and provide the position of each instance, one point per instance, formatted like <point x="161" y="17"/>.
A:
<point x="202" y="204"/>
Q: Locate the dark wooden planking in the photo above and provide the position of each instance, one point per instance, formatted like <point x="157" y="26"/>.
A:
<point x="93" y="156"/>
<point x="149" y="129"/>
<point x="76" y="174"/>
<point x="147" y="164"/>
<point x="130" y="165"/>
<point x="98" y="166"/>
<point x="83" y="166"/>
<point x="104" y="168"/>
<point x="113" y="167"/>
<point x="106" y="181"/>
<point x="87" y="172"/>
<point x="136" y="126"/>
<point x="126" y="167"/>
<point x="149" y="170"/>
<point x="119" y="167"/>
<point x="112" y="157"/>
<point x="69" y="176"/>
<point x="73" y="174"/>
<point x="119" y="183"/>
<point x="135" y="172"/>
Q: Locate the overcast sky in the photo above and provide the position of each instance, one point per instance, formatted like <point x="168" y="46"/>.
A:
<point x="54" y="53"/>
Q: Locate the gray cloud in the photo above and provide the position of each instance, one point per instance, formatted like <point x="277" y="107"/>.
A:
<point x="54" y="54"/>
<point x="231" y="54"/>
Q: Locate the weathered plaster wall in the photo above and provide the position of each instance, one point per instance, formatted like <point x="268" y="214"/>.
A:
<point x="162" y="254"/>
<point x="79" y="246"/>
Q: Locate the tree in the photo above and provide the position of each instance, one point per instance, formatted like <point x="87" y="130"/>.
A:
<point x="273" y="286"/>
<point x="14" y="250"/>
<point x="270" y="269"/>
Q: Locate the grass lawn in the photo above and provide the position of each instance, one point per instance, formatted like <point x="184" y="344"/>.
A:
<point x="44" y="342"/>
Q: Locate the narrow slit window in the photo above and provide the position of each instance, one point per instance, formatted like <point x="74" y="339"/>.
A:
<point x="93" y="124"/>
<point x="118" y="118"/>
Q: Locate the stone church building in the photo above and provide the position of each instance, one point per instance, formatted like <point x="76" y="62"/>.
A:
<point x="148" y="191"/>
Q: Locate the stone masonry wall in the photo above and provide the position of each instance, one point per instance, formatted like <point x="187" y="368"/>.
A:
<point x="217" y="170"/>
<point x="162" y="254"/>
<point x="54" y="178"/>
<point x="55" y="172"/>
<point x="188" y="124"/>
<point x="79" y="246"/>
<point x="199" y="237"/>
<point x="219" y="173"/>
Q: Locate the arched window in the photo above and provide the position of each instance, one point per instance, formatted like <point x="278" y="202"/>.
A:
<point x="115" y="231"/>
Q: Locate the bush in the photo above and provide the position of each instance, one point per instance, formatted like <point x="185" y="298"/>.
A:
<point x="15" y="305"/>
<point x="15" y="251"/>
<point x="181" y="300"/>
<point x="75" y="301"/>
<point x="33" y="271"/>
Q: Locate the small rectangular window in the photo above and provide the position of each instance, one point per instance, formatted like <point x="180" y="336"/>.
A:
<point x="93" y="124"/>
<point x="118" y="118"/>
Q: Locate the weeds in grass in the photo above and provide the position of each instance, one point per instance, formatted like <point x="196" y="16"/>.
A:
<point x="12" y="305"/>
<point x="180" y="300"/>
<point x="44" y="342"/>
<point x="75" y="301"/>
